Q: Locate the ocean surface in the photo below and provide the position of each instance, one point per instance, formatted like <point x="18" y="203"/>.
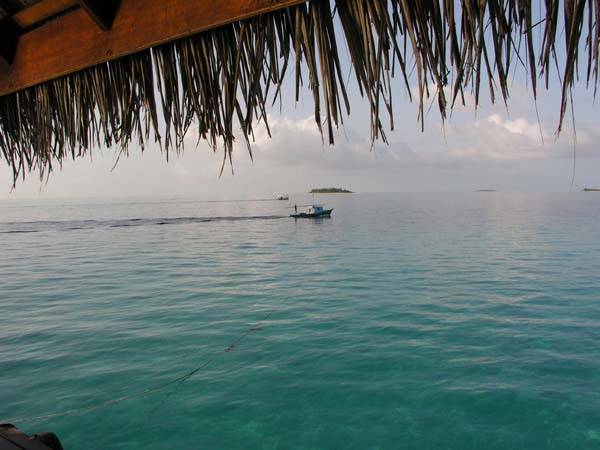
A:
<point x="406" y="321"/>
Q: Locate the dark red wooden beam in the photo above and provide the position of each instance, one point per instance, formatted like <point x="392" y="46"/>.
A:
<point x="40" y="11"/>
<point x="74" y="42"/>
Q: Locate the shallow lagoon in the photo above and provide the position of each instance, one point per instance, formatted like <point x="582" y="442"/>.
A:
<point x="418" y="321"/>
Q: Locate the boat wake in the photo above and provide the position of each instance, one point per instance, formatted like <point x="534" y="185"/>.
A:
<point x="75" y="225"/>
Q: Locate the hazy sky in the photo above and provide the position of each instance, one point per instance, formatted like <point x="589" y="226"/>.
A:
<point x="491" y="148"/>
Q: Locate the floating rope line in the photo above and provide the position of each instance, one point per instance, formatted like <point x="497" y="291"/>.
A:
<point x="184" y="378"/>
<point x="159" y="387"/>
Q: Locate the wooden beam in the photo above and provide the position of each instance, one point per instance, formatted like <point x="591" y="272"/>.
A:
<point x="102" y="11"/>
<point x="73" y="42"/>
<point x="41" y="11"/>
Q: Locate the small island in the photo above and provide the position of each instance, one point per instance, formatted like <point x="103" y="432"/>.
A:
<point x="330" y="190"/>
<point x="591" y="189"/>
<point x="486" y="190"/>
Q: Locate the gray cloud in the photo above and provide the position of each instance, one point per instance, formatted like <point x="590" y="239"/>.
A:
<point x="299" y="143"/>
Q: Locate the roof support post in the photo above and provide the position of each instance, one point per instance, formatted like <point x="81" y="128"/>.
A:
<point x="102" y="11"/>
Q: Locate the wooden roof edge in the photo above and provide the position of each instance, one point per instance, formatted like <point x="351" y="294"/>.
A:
<point x="75" y="42"/>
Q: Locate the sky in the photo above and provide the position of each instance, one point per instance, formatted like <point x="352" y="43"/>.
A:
<point x="491" y="147"/>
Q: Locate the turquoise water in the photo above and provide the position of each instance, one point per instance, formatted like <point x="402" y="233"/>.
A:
<point x="406" y="321"/>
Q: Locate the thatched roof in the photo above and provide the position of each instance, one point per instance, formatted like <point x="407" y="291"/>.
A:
<point x="226" y="78"/>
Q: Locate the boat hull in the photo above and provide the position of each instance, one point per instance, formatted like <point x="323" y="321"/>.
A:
<point x="325" y="213"/>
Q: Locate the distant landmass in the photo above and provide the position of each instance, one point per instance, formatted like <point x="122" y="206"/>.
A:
<point x="591" y="190"/>
<point x="330" y="190"/>
<point x="486" y="190"/>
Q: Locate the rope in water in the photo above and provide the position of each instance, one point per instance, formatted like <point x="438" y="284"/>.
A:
<point x="159" y="387"/>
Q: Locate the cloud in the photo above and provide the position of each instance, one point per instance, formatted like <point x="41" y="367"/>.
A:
<point x="498" y="138"/>
<point x="498" y="132"/>
<point x="298" y="143"/>
<point x="489" y="134"/>
<point x="495" y="136"/>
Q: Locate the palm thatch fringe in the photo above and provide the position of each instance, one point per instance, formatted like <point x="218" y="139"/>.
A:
<point x="233" y="74"/>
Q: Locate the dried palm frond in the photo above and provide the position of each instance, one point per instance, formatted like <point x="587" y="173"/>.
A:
<point x="230" y="76"/>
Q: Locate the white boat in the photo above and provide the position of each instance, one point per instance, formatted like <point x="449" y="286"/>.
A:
<point x="313" y="212"/>
<point x="283" y="197"/>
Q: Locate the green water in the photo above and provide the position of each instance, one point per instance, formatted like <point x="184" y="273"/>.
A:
<point x="406" y="321"/>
